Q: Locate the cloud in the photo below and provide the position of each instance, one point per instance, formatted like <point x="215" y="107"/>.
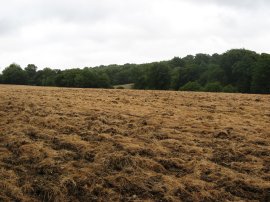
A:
<point x="69" y="33"/>
<point x="245" y="4"/>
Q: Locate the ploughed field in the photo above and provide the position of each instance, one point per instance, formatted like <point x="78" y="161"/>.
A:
<point x="59" y="144"/>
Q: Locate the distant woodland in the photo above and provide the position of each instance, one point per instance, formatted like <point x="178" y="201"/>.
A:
<point x="237" y="70"/>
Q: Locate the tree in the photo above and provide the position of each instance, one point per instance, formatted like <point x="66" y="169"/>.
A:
<point x="185" y="75"/>
<point x="242" y="71"/>
<point x="261" y="75"/>
<point x="85" y="79"/>
<point x="189" y="59"/>
<point x="66" y="78"/>
<point x="202" y="59"/>
<point x="213" y="87"/>
<point x="229" y="89"/>
<point x="13" y="74"/>
<point x="213" y="74"/>
<point x="159" y="77"/>
<point x="215" y="59"/>
<point x="103" y="80"/>
<point x="177" y="62"/>
<point x="46" y="77"/>
<point x="175" y="77"/>
<point x="31" y="71"/>
<point x="141" y="78"/>
<point x="237" y="70"/>
<point x="237" y="65"/>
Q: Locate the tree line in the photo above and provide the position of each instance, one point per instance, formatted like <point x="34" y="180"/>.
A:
<point x="237" y="70"/>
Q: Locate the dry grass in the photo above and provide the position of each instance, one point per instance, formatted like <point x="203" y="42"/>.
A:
<point x="60" y="144"/>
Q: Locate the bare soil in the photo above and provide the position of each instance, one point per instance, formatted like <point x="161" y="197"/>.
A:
<point x="59" y="144"/>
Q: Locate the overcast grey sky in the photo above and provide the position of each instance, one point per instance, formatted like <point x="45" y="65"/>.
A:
<point x="78" y="33"/>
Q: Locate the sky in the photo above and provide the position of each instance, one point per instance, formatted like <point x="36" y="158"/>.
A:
<point x="78" y="33"/>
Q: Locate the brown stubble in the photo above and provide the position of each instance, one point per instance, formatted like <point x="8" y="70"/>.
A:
<point x="59" y="144"/>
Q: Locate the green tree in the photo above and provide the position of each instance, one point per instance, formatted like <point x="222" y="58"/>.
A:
<point x="213" y="87"/>
<point x="66" y="78"/>
<point x="177" y="62"/>
<point x="14" y="74"/>
<point x="213" y="74"/>
<point x="31" y="71"/>
<point x="229" y="89"/>
<point x="187" y="74"/>
<point x="188" y="60"/>
<point x="202" y="59"/>
<point x="175" y="78"/>
<point x="140" y="76"/>
<point x="237" y="65"/>
<point x="239" y="70"/>
<point x="46" y="77"/>
<point x="242" y="71"/>
<point x="159" y="77"/>
<point x="103" y="80"/>
<point x="85" y="79"/>
<point x="261" y="75"/>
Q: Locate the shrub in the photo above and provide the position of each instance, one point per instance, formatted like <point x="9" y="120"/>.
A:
<point x="191" y="86"/>
<point x="213" y="87"/>
<point x="229" y="89"/>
